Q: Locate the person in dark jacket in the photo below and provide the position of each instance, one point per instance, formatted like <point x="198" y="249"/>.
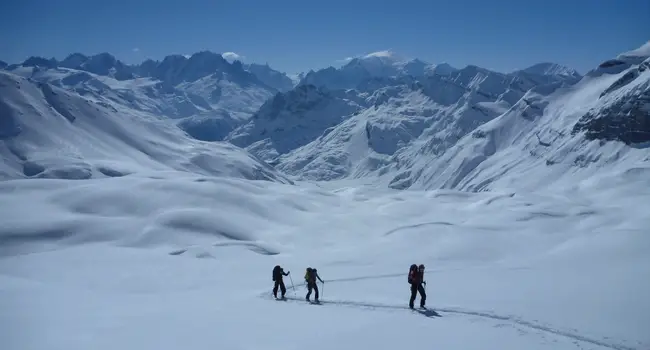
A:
<point x="278" y="272"/>
<point x="416" y="279"/>
<point x="310" y="278"/>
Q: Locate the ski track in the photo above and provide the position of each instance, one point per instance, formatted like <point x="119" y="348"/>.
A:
<point x="452" y="310"/>
<point x="406" y="227"/>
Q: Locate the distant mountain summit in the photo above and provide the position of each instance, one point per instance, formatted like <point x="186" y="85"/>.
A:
<point x="188" y="85"/>
<point x="553" y="69"/>
<point x="271" y="77"/>
<point x="401" y="122"/>
<point x="381" y="64"/>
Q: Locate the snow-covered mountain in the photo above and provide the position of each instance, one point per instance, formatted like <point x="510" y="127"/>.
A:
<point x="176" y="87"/>
<point x="401" y="122"/>
<point x="296" y="77"/>
<point x="398" y="119"/>
<point x="293" y="119"/>
<point x="552" y="134"/>
<point x="527" y="204"/>
<point x="50" y="132"/>
<point x="551" y="69"/>
<point x="382" y="64"/>
<point x="103" y="64"/>
<point x="142" y="94"/>
<point x="271" y="77"/>
<point x="474" y="129"/>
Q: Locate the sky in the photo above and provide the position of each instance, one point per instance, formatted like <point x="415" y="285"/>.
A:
<point x="296" y="36"/>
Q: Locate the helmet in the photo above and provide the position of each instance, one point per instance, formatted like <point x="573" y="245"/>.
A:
<point x="421" y="267"/>
<point x="309" y="269"/>
<point x="314" y="270"/>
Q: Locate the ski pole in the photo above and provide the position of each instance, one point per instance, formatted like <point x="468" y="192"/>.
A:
<point x="292" y="287"/>
<point x="322" y="292"/>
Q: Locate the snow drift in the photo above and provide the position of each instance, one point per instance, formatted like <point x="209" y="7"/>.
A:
<point x="185" y="260"/>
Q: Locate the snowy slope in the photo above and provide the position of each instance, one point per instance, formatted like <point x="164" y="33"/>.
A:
<point x="552" y="69"/>
<point x="223" y="85"/>
<point x="593" y="128"/>
<point x="209" y="126"/>
<point x="185" y="261"/>
<point x="50" y="132"/>
<point x="293" y="119"/>
<point x="407" y="117"/>
<point x="142" y="94"/>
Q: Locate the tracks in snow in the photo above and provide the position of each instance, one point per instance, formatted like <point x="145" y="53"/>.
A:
<point x="454" y="310"/>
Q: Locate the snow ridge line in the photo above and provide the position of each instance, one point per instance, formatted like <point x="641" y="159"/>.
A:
<point x="455" y="310"/>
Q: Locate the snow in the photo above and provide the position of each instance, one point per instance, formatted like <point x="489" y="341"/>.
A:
<point x="277" y="80"/>
<point x="121" y="229"/>
<point x="177" y="87"/>
<point x="185" y="261"/>
<point x="552" y="69"/>
<point x="400" y="122"/>
<point x="291" y="120"/>
<point x="51" y="132"/>
<point x="532" y="145"/>
<point x="380" y="64"/>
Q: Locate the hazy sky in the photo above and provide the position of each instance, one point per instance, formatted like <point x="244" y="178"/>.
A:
<point x="295" y="36"/>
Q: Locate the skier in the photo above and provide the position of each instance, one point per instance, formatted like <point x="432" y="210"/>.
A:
<point x="310" y="277"/>
<point x="278" y="272"/>
<point x="416" y="279"/>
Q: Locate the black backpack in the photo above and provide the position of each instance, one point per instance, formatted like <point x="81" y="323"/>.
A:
<point x="276" y="271"/>
<point x="413" y="269"/>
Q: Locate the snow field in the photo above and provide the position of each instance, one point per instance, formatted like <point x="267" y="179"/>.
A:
<point x="183" y="260"/>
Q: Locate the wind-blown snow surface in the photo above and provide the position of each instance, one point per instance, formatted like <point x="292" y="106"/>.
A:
<point x="184" y="261"/>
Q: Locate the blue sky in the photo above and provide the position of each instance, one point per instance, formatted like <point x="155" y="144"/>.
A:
<point x="295" y="36"/>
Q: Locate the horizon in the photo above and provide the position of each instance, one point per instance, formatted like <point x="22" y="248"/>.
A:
<point x="504" y="37"/>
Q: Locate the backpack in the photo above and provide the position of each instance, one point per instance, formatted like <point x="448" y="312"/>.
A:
<point x="276" y="271"/>
<point x="308" y="275"/>
<point x="412" y="270"/>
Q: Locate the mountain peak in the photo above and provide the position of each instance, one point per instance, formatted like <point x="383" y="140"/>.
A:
<point x="442" y="68"/>
<point x="208" y="56"/>
<point x="104" y="56"/>
<point x="34" y="61"/>
<point x="271" y="77"/>
<point x="387" y="57"/>
<point x="550" y="68"/>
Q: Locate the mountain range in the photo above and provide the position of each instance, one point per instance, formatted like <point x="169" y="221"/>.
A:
<point x="399" y="122"/>
<point x="145" y="206"/>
